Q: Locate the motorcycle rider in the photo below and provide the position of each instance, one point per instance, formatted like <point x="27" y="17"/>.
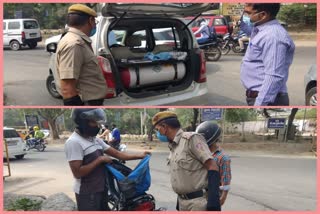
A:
<point x="85" y="154"/>
<point x="38" y="135"/>
<point x="212" y="134"/>
<point x="245" y="32"/>
<point x="105" y="133"/>
<point x="116" y="138"/>
<point x="204" y="30"/>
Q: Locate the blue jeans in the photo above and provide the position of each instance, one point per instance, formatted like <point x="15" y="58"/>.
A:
<point x="202" y="40"/>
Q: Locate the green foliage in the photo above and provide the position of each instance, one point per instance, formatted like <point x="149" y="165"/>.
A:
<point x="185" y="116"/>
<point x="310" y="114"/>
<point x="25" y="204"/>
<point x="240" y="115"/>
<point x="298" y="14"/>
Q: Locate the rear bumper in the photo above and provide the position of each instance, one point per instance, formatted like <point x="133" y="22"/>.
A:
<point x="26" y="41"/>
<point x="194" y="90"/>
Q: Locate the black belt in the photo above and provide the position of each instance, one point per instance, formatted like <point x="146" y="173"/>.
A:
<point x="192" y="195"/>
<point x="98" y="102"/>
<point x="254" y="94"/>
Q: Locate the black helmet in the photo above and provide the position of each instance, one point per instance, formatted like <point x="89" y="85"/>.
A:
<point x="82" y="116"/>
<point x="211" y="131"/>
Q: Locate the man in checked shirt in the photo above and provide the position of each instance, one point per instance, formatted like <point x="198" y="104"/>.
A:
<point x="212" y="134"/>
<point x="265" y="66"/>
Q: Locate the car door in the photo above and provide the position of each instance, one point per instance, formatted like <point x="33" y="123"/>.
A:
<point x="5" y="34"/>
<point x="14" y="30"/>
<point x="31" y="29"/>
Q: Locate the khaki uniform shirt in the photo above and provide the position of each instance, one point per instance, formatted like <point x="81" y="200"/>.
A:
<point x="75" y="59"/>
<point x="188" y="153"/>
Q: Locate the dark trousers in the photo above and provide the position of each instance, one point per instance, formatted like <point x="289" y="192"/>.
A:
<point x="282" y="99"/>
<point x="92" y="202"/>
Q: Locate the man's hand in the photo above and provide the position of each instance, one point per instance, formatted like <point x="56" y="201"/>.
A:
<point x="105" y="159"/>
<point x="145" y="153"/>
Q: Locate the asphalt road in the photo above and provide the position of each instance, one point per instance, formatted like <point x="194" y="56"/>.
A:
<point x="25" y="72"/>
<point x="258" y="182"/>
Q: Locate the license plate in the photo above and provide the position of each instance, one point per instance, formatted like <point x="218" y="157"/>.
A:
<point x="33" y="34"/>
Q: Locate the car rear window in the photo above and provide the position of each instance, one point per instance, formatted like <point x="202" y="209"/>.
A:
<point x="164" y="34"/>
<point x="10" y="133"/>
<point x="30" y="25"/>
<point x="219" y="22"/>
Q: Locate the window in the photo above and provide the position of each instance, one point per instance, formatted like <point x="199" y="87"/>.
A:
<point x="4" y="25"/>
<point x="11" y="134"/>
<point x="219" y="22"/>
<point x="30" y="25"/>
<point x="165" y="36"/>
<point x="140" y="35"/>
<point x="14" y="25"/>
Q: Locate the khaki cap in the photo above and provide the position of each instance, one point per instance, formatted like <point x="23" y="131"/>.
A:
<point x="82" y="8"/>
<point x="162" y="115"/>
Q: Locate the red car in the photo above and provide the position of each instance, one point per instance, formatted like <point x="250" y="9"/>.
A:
<point x="220" y="23"/>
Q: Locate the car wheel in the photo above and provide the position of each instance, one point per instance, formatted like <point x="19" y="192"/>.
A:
<point x="19" y="157"/>
<point x="212" y="54"/>
<point x="15" y="45"/>
<point x="51" y="87"/>
<point x="311" y="97"/>
<point x="32" y="45"/>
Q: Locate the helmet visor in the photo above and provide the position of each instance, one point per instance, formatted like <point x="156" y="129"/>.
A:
<point x="96" y="115"/>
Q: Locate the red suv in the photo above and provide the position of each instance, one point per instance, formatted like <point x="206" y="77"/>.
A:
<point x="220" y="23"/>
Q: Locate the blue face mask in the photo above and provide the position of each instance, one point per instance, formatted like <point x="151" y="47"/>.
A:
<point x="246" y="19"/>
<point x="161" y="137"/>
<point x="93" y="31"/>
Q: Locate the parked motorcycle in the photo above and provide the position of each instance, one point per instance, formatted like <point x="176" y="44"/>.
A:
<point x="211" y="50"/>
<point x="33" y="143"/>
<point x="120" y="147"/>
<point x="122" y="194"/>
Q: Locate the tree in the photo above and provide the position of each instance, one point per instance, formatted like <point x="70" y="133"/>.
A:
<point x="290" y="121"/>
<point x="240" y="116"/>
<point x="51" y="116"/>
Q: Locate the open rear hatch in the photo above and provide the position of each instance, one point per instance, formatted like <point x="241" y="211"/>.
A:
<point x="155" y="55"/>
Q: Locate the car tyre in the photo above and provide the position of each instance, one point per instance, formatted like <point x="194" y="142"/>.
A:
<point x="19" y="157"/>
<point x="15" y="45"/>
<point x="51" y="87"/>
<point x="32" y="45"/>
<point x="311" y="97"/>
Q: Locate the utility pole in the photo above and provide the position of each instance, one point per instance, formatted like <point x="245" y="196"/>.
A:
<point x="223" y="124"/>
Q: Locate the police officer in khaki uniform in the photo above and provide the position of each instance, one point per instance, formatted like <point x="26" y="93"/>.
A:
<point x="80" y="78"/>
<point x="194" y="174"/>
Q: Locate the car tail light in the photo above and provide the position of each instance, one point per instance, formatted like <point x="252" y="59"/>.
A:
<point x="144" y="206"/>
<point x="23" y="35"/>
<point x="203" y="71"/>
<point x="108" y="76"/>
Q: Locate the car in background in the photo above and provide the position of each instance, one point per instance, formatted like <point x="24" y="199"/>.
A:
<point x="21" y="32"/>
<point x="310" y="84"/>
<point x="16" y="146"/>
<point x="220" y="23"/>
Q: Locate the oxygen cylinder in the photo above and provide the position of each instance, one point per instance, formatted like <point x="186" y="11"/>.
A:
<point x="142" y="75"/>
